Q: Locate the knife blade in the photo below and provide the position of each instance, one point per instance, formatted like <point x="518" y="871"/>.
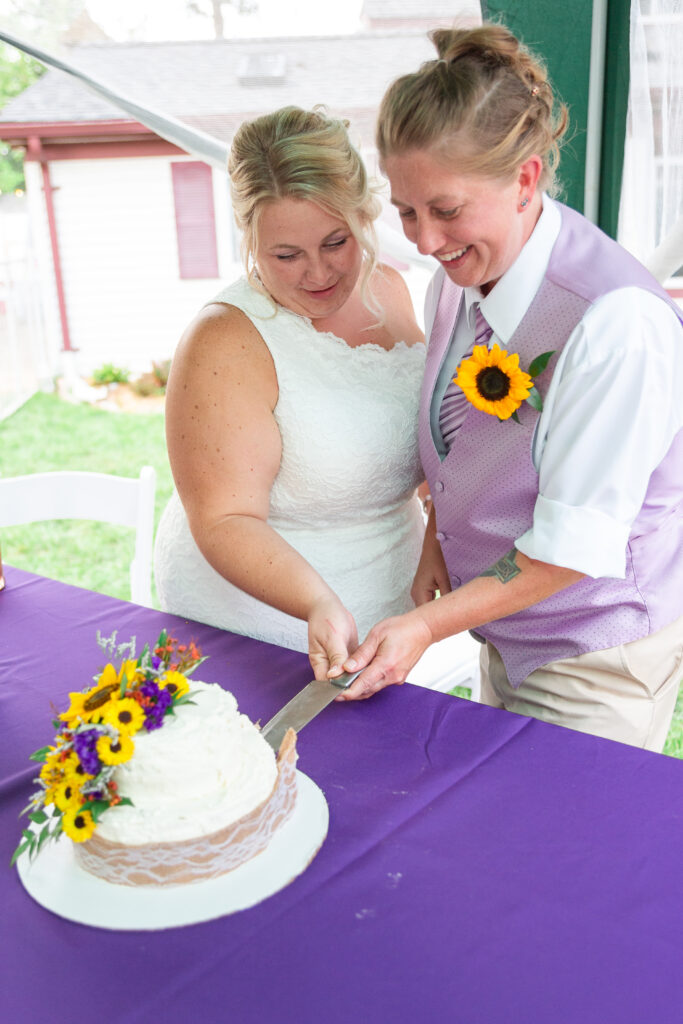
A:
<point x="306" y="705"/>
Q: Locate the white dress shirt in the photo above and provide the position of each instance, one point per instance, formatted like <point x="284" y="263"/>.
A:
<point x="613" y="407"/>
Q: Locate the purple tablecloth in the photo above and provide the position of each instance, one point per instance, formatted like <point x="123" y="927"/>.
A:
<point x="480" y="867"/>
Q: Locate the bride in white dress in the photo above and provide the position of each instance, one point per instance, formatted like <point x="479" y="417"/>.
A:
<point x="292" y="411"/>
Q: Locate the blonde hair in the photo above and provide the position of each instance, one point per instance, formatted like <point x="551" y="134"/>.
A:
<point x="301" y="154"/>
<point x="486" y="105"/>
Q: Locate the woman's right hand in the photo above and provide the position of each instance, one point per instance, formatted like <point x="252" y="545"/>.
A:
<point x="332" y="636"/>
<point x="431" y="577"/>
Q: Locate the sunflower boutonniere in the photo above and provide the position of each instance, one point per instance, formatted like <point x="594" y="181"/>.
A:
<point x="493" y="382"/>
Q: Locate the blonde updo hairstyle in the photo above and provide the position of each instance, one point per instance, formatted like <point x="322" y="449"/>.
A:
<point x="301" y="154"/>
<point x="485" y="106"/>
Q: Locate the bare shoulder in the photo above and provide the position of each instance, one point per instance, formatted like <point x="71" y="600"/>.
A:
<point x="221" y="366"/>
<point x="221" y="341"/>
<point x="220" y="332"/>
<point x="388" y="285"/>
<point x="392" y="293"/>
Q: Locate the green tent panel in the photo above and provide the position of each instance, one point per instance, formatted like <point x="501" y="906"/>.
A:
<point x="562" y="33"/>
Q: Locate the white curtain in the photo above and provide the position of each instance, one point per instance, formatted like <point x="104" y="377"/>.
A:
<point x="651" y="209"/>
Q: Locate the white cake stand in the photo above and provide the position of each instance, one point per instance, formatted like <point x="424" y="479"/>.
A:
<point x="55" y="880"/>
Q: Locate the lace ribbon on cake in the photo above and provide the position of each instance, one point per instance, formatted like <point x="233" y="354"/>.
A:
<point x="195" y="860"/>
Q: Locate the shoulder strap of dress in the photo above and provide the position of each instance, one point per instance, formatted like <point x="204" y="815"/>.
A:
<point x="241" y="294"/>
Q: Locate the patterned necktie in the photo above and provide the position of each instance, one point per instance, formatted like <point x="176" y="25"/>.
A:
<point x="454" y="404"/>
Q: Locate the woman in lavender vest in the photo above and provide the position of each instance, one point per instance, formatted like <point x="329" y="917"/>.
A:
<point x="556" y="461"/>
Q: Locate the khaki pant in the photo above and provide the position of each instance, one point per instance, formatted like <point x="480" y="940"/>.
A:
<point x="626" y="693"/>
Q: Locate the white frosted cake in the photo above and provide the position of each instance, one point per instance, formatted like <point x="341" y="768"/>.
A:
<point x="207" y="795"/>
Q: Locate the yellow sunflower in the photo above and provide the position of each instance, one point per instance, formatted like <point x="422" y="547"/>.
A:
<point x="130" y="670"/>
<point x="75" y="709"/>
<point x="102" y="695"/>
<point x="70" y="763"/>
<point x="51" y="774"/>
<point x="80" y="772"/>
<point x="67" y="793"/>
<point x="115" y="751"/>
<point x="77" y="824"/>
<point x="175" y="682"/>
<point x="493" y="382"/>
<point x="126" y="715"/>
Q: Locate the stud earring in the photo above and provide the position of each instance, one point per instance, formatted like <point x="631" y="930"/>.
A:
<point x="524" y="202"/>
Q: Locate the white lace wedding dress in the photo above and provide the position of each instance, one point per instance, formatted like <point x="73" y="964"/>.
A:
<point x="344" y="494"/>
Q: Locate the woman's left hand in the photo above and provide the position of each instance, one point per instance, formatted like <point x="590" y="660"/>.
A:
<point x="393" y="646"/>
<point x="332" y="634"/>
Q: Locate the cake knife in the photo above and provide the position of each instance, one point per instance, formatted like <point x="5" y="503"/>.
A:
<point x="305" y="706"/>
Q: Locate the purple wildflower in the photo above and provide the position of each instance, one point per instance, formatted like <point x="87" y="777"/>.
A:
<point x="154" y="713"/>
<point x="165" y="699"/>
<point x="149" y="689"/>
<point x="85" y="746"/>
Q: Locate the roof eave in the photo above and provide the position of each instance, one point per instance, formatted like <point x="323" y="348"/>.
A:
<point x="18" y="132"/>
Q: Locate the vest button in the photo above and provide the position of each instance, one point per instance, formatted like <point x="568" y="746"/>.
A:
<point x="440" y="536"/>
<point x="439" y="485"/>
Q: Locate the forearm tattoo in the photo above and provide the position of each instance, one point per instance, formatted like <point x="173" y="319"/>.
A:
<point x="505" y="569"/>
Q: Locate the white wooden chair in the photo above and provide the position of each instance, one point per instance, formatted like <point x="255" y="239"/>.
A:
<point x="123" y="501"/>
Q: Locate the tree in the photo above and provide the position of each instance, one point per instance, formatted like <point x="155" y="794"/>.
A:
<point x="17" y="71"/>
<point x="215" y="10"/>
<point x="41" y="23"/>
<point x="47" y="25"/>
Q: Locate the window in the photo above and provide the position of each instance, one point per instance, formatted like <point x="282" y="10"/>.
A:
<point x="651" y="212"/>
<point x="195" y="219"/>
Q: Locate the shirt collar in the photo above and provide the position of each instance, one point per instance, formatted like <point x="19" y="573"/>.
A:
<point x="511" y="296"/>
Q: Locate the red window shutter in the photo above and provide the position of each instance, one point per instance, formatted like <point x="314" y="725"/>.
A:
<point x="195" y="219"/>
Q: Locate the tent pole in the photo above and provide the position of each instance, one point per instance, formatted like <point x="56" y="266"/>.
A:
<point x="596" y="95"/>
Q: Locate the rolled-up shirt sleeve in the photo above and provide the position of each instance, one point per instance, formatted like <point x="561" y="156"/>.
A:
<point x="612" y="410"/>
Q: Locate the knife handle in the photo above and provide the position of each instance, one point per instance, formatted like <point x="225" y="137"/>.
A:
<point x="345" y="679"/>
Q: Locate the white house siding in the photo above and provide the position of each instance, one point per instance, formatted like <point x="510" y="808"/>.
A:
<point x="40" y="242"/>
<point x="24" y="364"/>
<point x="126" y="303"/>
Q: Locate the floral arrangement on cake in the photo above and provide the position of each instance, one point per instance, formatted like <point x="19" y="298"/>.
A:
<point x="97" y="732"/>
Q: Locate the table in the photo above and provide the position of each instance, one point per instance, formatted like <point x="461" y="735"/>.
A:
<point x="480" y="867"/>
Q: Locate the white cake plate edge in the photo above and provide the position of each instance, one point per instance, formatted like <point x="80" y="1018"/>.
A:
<point x="55" y="881"/>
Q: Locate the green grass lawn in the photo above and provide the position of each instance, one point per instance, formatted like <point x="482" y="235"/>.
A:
<point x="48" y="433"/>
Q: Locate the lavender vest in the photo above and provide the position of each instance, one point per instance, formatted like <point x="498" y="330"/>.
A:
<point x="485" y="490"/>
